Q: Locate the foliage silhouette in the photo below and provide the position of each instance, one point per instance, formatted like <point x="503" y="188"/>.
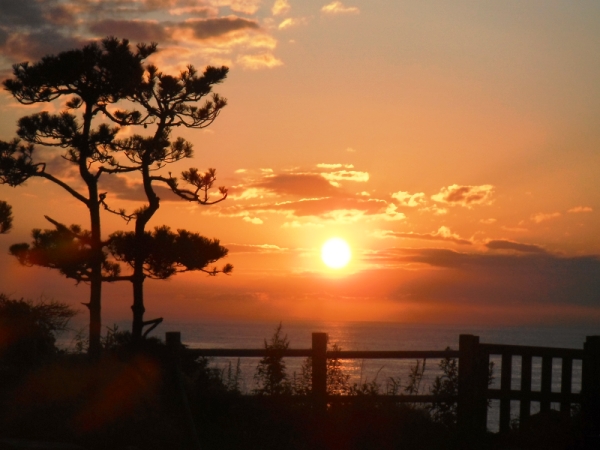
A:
<point x="6" y="218"/>
<point x="28" y="329"/>
<point x="168" y="102"/>
<point x="271" y="377"/>
<point x="92" y="78"/>
<point x="67" y="249"/>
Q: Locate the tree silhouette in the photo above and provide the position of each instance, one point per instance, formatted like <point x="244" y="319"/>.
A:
<point x="168" y="102"/>
<point x="6" y="217"/>
<point x="96" y="78"/>
<point x="66" y="249"/>
<point x="160" y="254"/>
<point x="92" y="78"/>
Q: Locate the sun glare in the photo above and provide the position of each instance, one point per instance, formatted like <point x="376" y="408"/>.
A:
<point x="335" y="253"/>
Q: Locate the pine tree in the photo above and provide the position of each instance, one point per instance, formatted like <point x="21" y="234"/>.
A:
<point x="92" y="78"/>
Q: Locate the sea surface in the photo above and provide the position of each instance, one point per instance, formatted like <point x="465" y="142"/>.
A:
<point x="379" y="336"/>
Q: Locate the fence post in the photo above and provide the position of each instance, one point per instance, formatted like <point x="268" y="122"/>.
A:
<point x="319" y="369"/>
<point x="472" y="386"/>
<point x="182" y="406"/>
<point x="590" y="390"/>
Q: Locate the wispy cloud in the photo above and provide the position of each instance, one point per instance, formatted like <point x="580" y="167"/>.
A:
<point x="442" y="234"/>
<point x="346" y="175"/>
<point x="542" y="217"/>
<point x="337" y="7"/>
<point x="488" y="221"/>
<point x="580" y="209"/>
<point x="255" y="248"/>
<point x="280" y="7"/>
<point x="502" y="244"/>
<point x="259" y="61"/>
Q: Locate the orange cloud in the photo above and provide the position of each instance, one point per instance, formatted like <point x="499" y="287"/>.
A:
<point x="502" y="244"/>
<point x="338" y="7"/>
<point x="280" y="7"/>
<point x="541" y="217"/>
<point x="442" y="234"/>
<point x="465" y="196"/>
<point x="580" y="209"/>
<point x="410" y="200"/>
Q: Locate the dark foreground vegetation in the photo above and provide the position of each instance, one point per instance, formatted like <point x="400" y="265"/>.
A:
<point x="134" y="398"/>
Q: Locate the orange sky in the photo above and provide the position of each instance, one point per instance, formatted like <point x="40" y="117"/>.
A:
<point x="454" y="145"/>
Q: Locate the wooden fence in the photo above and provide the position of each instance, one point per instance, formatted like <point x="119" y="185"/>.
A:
<point x="473" y="390"/>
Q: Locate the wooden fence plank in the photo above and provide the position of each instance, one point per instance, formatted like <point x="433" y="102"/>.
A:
<point x="319" y="369"/>
<point x="525" y="403"/>
<point x="546" y="383"/>
<point x="505" y="387"/>
<point x="566" y="381"/>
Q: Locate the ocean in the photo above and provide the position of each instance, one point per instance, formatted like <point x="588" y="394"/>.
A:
<point x="380" y="336"/>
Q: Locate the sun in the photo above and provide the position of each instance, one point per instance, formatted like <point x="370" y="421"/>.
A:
<point x="336" y="253"/>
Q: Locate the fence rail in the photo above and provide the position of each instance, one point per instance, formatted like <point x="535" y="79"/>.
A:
<point x="473" y="377"/>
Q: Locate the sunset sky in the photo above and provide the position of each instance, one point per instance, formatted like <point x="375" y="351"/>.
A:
<point x="453" y="145"/>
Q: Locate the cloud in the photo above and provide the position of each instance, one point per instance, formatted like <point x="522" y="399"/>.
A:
<point x="308" y="197"/>
<point x="488" y="221"/>
<point x="30" y="29"/>
<point x="516" y="229"/>
<point x="280" y="7"/>
<point x="302" y="184"/>
<point x="329" y="166"/>
<point x="196" y="11"/>
<point x="466" y="196"/>
<point x="442" y="234"/>
<point x="214" y="27"/>
<point x="20" y="46"/>
<point x="243" y="6"/>
<point x="410" y="200"/>
<point x="298" y="224"/>
<point x="541" y="217"/>
<point x="495" y="280"/>
<point x="346" y="175"/>
<point x="337" y="7"/>
<point x="123" y="188"/>
<point x="255" y="248"/>
<point x="21" y="12"/>
<point x="137" y="30"/>
<point x="580" y="209"/>
<point x="259" y="61"/>
<point x="516" y="246"/>
<point x="253" y="220"/>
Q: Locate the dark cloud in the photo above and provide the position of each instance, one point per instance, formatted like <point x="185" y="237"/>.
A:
<point x="60" y="15"/>
<point x="135" y="30"/>
<point x="3" y="37"/>
<point x="34" y="45"/>
<point x="21" y="13"/>
<point x="510" y="245"/>
<point x="498" y="279"/>
<point x="209" y="28"/>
